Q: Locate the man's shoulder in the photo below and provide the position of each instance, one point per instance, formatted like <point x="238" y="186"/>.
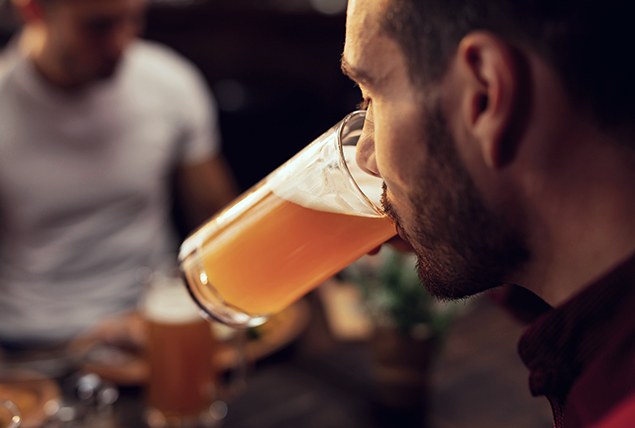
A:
<point x="10" y="75"/>
<point x="160" y="64"/>
<point x="5" y="65"/>
<point x="9" y="57"/>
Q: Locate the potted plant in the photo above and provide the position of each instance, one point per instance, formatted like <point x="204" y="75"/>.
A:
<point x="409" y="325"/>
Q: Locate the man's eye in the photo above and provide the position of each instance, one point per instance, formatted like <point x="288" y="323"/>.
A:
<point x="364" y="104"/>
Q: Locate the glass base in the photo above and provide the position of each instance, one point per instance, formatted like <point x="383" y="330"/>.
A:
<point x="209" y="418"/>
<point x="207" y="298"/>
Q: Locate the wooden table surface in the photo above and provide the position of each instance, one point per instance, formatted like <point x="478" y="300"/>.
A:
<point x="477" y="381"/>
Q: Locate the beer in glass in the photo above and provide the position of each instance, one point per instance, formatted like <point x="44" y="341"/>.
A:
<point x="303" y="223"/>
<point x="181" y="383"/>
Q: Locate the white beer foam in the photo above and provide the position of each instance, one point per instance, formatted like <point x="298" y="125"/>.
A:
<point x="332" y="191"/>
<point x="170" y="304"/>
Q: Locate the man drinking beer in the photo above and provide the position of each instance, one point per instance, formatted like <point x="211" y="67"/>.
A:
<point x="504" y="133"/>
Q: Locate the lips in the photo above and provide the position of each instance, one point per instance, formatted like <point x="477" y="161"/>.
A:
<point x="400" y="242"/>
<point x="400" y="232"/>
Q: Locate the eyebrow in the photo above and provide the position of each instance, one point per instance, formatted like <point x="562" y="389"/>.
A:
<point x="355" y="74"/>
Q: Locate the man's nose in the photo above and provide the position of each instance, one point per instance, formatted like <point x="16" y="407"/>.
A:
<point x="365" y="153"/>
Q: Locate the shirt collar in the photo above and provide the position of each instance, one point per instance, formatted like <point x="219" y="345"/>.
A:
<point x="562" y="342"/>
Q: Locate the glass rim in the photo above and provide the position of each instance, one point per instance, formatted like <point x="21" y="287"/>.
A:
<point x="340" y="131"/>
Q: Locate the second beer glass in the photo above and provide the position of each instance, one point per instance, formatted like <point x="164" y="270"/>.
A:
<point x="300" y="225"/>
<point x="181" y="384"/>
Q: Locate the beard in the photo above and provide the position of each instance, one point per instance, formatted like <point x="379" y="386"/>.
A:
<point x="462" y="247"/>
<point x="81" y="72"/>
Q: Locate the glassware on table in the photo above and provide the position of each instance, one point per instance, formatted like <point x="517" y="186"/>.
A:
<point x="9" y="415"/>
<point x="303" y="223"/>
<point x="181" y="387"/>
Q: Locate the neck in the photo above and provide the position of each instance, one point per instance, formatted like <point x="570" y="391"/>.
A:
<point x="33" y="44"/>
<point x="32" y="40"/>
<point x="583" y="214"/>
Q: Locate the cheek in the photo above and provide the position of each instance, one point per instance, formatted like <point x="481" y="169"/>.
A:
<point x="75" y="45"/>
<point x="399" y="156"/>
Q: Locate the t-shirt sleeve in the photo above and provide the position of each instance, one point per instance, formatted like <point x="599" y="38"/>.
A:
<point x="201" y="131"/>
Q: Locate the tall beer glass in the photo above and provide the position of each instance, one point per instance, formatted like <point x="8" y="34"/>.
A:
<point x="304" y="222"/>
<point x="181" y="384"/>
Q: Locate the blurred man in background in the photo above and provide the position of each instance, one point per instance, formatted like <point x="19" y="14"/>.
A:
<point x="504" y="131"/>
<point x="97" y="126"/>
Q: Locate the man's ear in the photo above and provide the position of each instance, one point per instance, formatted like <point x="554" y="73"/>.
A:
<point x="487" y="67"/>
<point x="29" y="10"/>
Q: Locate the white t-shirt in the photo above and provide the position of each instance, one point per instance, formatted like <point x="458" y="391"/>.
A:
<point x="84" y="187"/>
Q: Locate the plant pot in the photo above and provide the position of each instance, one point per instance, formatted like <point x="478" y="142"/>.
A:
<point x="401" y="368"/>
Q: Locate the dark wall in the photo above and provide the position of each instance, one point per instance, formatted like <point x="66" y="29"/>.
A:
<point x="275" y="73"/>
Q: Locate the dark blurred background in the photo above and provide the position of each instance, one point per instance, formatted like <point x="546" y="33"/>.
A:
<point x="273" y="66"/>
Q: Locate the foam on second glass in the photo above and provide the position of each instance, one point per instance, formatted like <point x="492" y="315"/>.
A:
<point x="370" y="185"/>
<point x="170" y="304"/>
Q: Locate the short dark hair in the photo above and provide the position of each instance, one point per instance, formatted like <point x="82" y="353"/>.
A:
<point x="588" y="42"/>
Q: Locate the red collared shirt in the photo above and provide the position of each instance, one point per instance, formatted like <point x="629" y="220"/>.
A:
<point x="581" y="355"/>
